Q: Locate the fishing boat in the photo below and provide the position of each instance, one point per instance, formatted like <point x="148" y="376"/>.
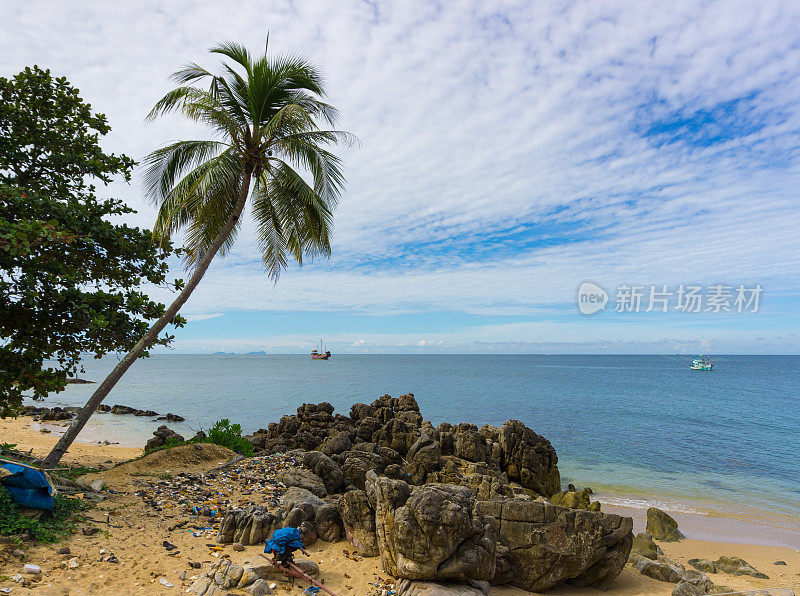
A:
<point x="321" y="354"/>
<point x="701" y="363"/>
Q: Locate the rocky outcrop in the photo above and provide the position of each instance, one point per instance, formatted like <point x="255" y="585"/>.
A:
<point x="390" y="437"/>
<point x="661" y="526"/>
<point x="550" y="545"/>
<point x="358" y="519"/>
<point x="529" y="459"/>
<point x="433" y="532"/>
<point x="161" y="436"/>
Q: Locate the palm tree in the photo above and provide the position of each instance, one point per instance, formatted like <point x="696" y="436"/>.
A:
<point x="264" y="112"/>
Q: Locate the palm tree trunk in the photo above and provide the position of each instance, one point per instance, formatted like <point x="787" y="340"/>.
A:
<point x="151" y="335"/>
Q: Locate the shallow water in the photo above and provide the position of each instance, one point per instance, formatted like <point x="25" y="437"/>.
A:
<point x="629" y="426"/>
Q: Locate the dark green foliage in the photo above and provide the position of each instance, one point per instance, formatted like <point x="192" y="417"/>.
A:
<point x="223" y="433"/>
<point x="69" y="278"/>
<point x="229" y="435"/>
<point x="50" y="527"/>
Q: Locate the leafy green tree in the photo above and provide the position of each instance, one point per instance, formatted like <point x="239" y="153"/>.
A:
<point x="69" y="278"/>
<point x="264" y="112"/>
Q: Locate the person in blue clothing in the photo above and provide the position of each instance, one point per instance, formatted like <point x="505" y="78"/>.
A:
<point x="283" y="543"/>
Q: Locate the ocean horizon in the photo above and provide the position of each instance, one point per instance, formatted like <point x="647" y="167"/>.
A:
<point x="639" y="430"/>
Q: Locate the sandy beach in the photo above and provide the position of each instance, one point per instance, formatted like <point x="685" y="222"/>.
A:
<point x="133" y="533"/>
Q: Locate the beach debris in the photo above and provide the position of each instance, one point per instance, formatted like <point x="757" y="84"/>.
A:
<point x="90" y="531"/>
<point x="73" y="563"/>
<point x="661" y="526"/>
<point x="31" y="569"/>
<point x="164" y="582"/>
<point x="168" y="545"/>
<point x="6" y="590"/>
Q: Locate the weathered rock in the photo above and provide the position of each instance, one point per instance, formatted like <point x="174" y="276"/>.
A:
<point x="529" y="459"/>
<point x="308" y="567"/>
<point x="434" y="532"/>
<point x="407" y="587"/>
<point x="575" y="499"/>
<point x="237" y="546"/>
<point x="684" y="588"/>
<point x="661" y="526"/>
<point x="303" y="479"/>
<point x="397" y="435"/>
<point x="326" y="469"/>
<point x="246" y="526"/>
<point x="471" y="446"/>
<point x="426" y="452"/>
<point x="550" y="545"/>
<point x="738" y="566"/>
<point x="329" y="524"/>
<point x="296" y="496"/>
<point x="662" y="570"/>
<point x="487" y="484"/>
<point x="644" y="546"/>
<point x="504" y="572"/>
<point x="336" y="444"/>
<point x="259" y="588"/>
<point x="703" y="565"/>
<point x="160" y="437"/>
<point x="358" y="518"/>
<point x="357" y="462"/>
<point x="779" y="562"/>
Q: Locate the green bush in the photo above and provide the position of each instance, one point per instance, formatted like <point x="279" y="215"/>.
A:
<point x="229" y="435"/>
<point x="50" y="527"/>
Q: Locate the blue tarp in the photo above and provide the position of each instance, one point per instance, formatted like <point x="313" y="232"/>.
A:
<point x="28" y="486"/>
<point x="282" y="539"/>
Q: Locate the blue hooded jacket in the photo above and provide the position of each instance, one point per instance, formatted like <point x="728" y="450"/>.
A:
<point x="282" y="539"/>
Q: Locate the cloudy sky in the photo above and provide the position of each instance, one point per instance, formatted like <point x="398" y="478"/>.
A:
<point x="509" y="152"/>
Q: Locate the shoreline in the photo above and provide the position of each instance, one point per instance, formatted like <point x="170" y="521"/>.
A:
<point x="756" y="527"/>
<point x="135" y="527"/>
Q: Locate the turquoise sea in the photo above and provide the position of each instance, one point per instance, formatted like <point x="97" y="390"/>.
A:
<point x="637" y="429"/>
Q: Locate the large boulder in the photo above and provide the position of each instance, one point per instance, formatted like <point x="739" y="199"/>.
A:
<point x="434" y="532"/>
<point x="303" y="479"/>
<point x="328" y="523"/>
<point x="396" y="434"/>
<point x="326" y="469"/>
<point x="664" y="570"/>
<point x="529" y="459"/>
<point x="358" y="519"/>
<point x="246" y="526"/>
<point x="575" y="499"/>
<point x="661" y="526"/>
<point x="550" y="545"/>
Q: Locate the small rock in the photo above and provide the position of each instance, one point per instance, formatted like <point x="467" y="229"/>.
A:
<point x="738" y="566"/>
<point x="260" y="587"/>
<point x="779" y="563"/>
<point x="31" y="569"/>
<point x="97" y="485"/>
<point x="182" y="575"/>
<point x="685" y="588"/>
<point x="64" y="550"/>
<point x="703" y="565"/>
<point x="18" y="553"/>
<point x="90" y="531"/>
<point x="73" y="563"/>
<point x="308" y="567"/>
<point x="237" y="546"/>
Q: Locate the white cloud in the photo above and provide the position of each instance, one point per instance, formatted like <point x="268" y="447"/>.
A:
<point x="480" y="117"/>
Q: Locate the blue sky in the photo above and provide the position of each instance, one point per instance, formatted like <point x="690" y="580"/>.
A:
<point x="509" y="152"/>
